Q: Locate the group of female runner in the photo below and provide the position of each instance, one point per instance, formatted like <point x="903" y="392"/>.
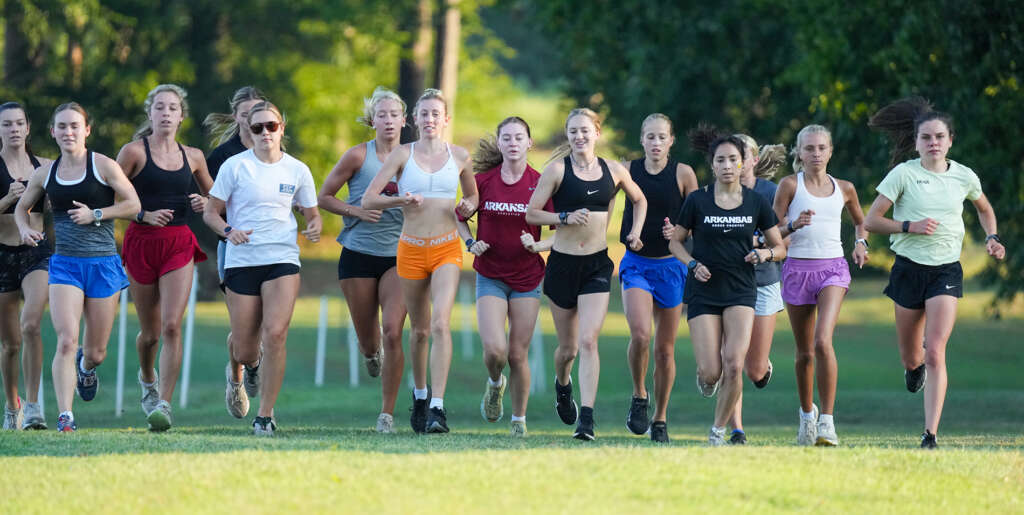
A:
<point x="716" y="248"/>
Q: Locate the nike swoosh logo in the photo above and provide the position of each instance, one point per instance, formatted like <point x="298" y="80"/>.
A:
<point x="592" y="192"/>
<point x="948" y="287"/>
<point x="726" y="230"/>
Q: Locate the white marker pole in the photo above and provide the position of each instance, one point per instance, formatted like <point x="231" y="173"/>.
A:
<point x="190" y="327"/>
<point x="465" y="305"/>
<point x="42" y="393"/>
<point x="538" y="377"/>
<point x="121" y="336"/>
<point x="321" y="343"/>
<point x="353" y="356"/>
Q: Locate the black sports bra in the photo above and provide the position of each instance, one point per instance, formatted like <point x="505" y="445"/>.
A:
<point x="6" y="181"/>
<point x="575" y="193"/>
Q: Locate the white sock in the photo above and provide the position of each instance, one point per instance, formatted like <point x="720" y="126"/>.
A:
<point x="809" y="415"/>
<point x="81" y="366"/>
<point x="69" y="414"/>
<point x="436" y="402"/>
<point x="825" y="419"/>
<point x="492" y="382"/>
<point x="419" y="393"/>
<point x="518" y="419"/>
<point x="719" y="430"/>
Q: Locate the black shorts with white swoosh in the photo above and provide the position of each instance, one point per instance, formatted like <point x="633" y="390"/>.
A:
<point x="911" y="283"/>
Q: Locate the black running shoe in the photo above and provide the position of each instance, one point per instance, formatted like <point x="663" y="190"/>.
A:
<point x="437" y="421"/>
<point x="564" y="403"/>
<point x="584" y="429"/>
<point x="761" y="383"/>
<point x="659" y="432"/>
<point x="928" y="440"/>
<point x="87" y="384"/>
<point x="418" y="418"/>
<point x="637" y="420"/>
<point x="738" y="437"/>
<point x="915" y="378"/>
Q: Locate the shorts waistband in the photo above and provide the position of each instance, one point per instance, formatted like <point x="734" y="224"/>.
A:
<point x="11" y="249"/>
<point x="602" y="252"/>
<point x="811" y="265"/>
<point x="649" y="260"/>
<point x="151" y="231"/>
<point x="430" y="241"/>
<point x="925" y="267"/>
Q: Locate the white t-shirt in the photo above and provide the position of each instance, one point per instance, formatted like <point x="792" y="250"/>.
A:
<point x="259" y="197"/>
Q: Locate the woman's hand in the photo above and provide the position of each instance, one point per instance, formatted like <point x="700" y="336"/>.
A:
<point x="367" y="215"/>
<point x="239" y="236"/>
<point x="701" y="273"/>
<point x="30" y="236"/>
<point x="633" y="239"/>
<point x="479" y="247"/>
<point x="81" y="215"/>
<point x="198" y="202"/>
<point x="578" y="217"/>
<point x="668" y="230"/>
<point x="158" y="218"/>
<point x="413" y="200"/>
<point x="926" y="226"/>
<point x="465" y="208"/>
<point x="995" y="249"/>
<point x="803" y="220"/>
<point x="860" y="255"/>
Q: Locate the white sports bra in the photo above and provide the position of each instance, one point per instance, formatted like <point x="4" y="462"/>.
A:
<point x="443" y="183"/>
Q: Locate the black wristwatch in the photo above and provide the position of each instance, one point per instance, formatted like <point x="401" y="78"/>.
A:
<point x="692" y="265"/>
<point x="563" y="218"/>
<point x="469" y="243"/>
<point x="227" y="229"/>
<point x="138" y="217"/>
<point x="906" y="226"/>
<point x="993" y="236"/>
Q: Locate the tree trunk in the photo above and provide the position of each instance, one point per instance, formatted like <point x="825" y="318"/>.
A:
<point x="17" y="68"/>
<point x="446" y="71"/>
<point x="415" y="54"/>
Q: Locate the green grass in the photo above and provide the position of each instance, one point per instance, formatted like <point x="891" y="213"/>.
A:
<point x="327" y="458"/>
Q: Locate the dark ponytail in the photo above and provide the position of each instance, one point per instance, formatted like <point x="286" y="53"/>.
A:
<point x="900" y="120"/>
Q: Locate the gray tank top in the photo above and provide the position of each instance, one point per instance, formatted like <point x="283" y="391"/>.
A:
<point x="76" y="240"/>
<point x="376" y="239"/>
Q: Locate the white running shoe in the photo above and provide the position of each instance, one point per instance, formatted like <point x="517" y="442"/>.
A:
<point x="264" y="426"/>
<point x="160" y="418"/>
<point x="716" y="437"/>
<point x="708" y="390"/>
<point x="13" y="418"/>
<point x="490" y="406"/>
<point x="808" y="432"/>
<point x="827" y="435"/>
<point x="150" y="394"/>
<point x="518" y="429"/>
<point x="234" y="396"/>
<point x="33" y="416"/>
<point x="385" y="424"/>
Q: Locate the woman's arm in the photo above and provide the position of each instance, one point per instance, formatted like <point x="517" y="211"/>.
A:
<point x="987" y="217"/>
<point x="860" y="244"/>
<point x="635" y="195"/>
<point x="33" y="192"/>
<point x="877" y="223"/>
<point x="126" y="203"/>
<point x="313" y="223"/>
<point x="372" y="199"/>
<point x="342" y="172"/>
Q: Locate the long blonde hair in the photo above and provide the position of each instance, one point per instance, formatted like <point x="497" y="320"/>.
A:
<point x="146" y="128"/>
<point x="222" y="126"/>
<point x="769" y="157"/>
<point x="798" y="164"/>
<point x="379" y="95"/>
<point x="564" y="149"/>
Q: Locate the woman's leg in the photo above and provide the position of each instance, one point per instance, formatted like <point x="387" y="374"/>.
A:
<point x="278" y="296"/>
<point x="246" y="316"/>
<point x="909" y="335"/>
<point x="491" y="315"/>
<point x="416" y="293"/>
<point x="666" y="323"/>
<point x="175" y="287"/>
<point x="801" y="319"/>
<point x="566" y="328"/>
<point x="35" y="291"/>
<point x="99" y="322"/>
<point x="737" y="322"/>
<point x="830" y="299"/>
<point x="638" y="305"/>
<point x="10" y="339"/>
<point x="756" y="362"/>
<point x="592" y="309"/>
<point x="522" y="321"/>
<point x="389" y="295"/>
<point x="706" y="335"/>
<point x="361" y="297"/>
<point x="444" y="282"/>
<point x="146" y="298"/>
<point x="66" y="313"/>
<point x="939" y="320"/>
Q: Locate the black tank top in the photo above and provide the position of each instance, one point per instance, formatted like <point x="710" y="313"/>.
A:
<point x="575" y="193"/>
<point x="164" y="189"/>
<point x="89" y="190"/>
<point x="6" y="181"/>
<point x="663" y="200"/>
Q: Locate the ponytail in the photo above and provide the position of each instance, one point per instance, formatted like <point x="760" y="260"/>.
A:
<point x="900" y="120"/>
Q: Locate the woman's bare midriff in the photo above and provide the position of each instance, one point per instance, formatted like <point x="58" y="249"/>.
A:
<point x="581" y="240"/>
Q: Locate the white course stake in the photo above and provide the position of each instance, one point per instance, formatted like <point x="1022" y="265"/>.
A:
<point x="42" y="393"/>
<point x="353" y="356"/>
<point x="321" y="342"/>
<point x="190" y="327"/>
<point x="466" y="329"/>
<point x="538" y="376"/>
<point x="121" y="337"/>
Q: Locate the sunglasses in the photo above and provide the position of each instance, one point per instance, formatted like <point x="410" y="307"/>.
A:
<point x="257" y="128"/>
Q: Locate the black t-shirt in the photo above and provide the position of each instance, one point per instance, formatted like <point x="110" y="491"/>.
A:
<point x="721" y="240"/>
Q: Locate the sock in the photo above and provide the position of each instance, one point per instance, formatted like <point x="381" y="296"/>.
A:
<point x="71" y="416"/>
<point x="561" y="386"/>
<point x="419" y="393"/>
<point x="587" y="412"/>
<point x="436" y="402"/>
<point x="825" y="419"/>
<point x="148" y="385"/>
<point x="492" y="382"/>
<point x="807" y="416"/>
<point x="718" y="430"/>
<point x="81" y="366"/>
<point x="518" y="419"/>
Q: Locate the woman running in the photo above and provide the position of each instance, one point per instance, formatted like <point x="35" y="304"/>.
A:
<point x="508" y="267"/>
<point x="581" y="186"/>
<point x="258" y="189"/>
<point x="85" y="271"/>
<point x="366" y="268"/>
<point x="758" y="168"/>
<point x="722" y="292"/>
<point x="816" y="277"/>
<point x="159" y="249"/>
<point x="22" y="268"/>
<point x="429" y="255"/>
<point x="652" y="280"/>
<point x="927" y="232"/>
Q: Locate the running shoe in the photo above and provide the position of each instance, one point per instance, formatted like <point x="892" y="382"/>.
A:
<point x="808" y="432"/>
<point x="826" y="435"/>
<point x="659" y="432"/>
<point x="150" y="394"/>
<point x="761" y="383"/>
<point x="385" y="424"/>
<point x="418" y="418"/>
<point x="738" y="437"/>
<point x="234" y="396"/>
<point x="88" y="383"/>
<point x="566" y="407"/>
<point x="518" y="429"/>
<point x="584" y="428"/>
<point x="490" y="406"/>
<point x="160" y="418"/>
<point x="437" y="420"/>
<point x="13" y="418"/>
<point x="251" y="378"/>
<point x="708" y="390"/>
<point x="33" y="417"/>
<point x="928" y="440"/>
<point x="637" y="420"/>
<point x="264" y="426"/>
<point x="915" y="378"/>
<point x="373" y="362"/>
<point x="716" y="437"/>
<point x="66" y="424"/>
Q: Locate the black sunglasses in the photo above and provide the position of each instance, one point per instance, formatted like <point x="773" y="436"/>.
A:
<point x="257" y="128"/>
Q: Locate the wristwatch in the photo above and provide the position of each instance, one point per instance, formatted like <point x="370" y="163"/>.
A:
<point x="993" y="236"/>
<point x="469" y="243"/>
<point x="692" y="264"/>
<point x="138" y="217"/>
<point x="864" y="242"/>
<point x="906" y="226"/>
<point x="563" y="218"/>
<point x="97" y="215"/>
<point x="227" y="229"/>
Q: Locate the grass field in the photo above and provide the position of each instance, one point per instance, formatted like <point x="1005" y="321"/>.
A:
<point x="326" y="457"/>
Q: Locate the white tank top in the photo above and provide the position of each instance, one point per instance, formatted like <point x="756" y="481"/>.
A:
<point x="443" y="183"/>
<point x="820" y="240"/>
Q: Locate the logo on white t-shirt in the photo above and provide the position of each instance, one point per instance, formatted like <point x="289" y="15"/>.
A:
<point x="287" y="189"/>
